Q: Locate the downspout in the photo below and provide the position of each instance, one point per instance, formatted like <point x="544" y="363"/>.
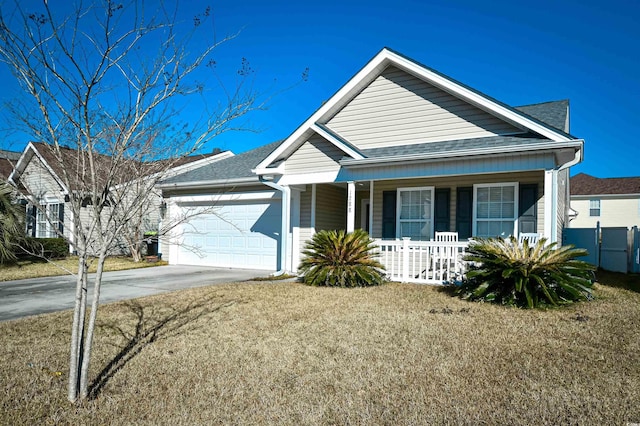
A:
<point x="577" y="158"/>
<point x="284" y="233"/>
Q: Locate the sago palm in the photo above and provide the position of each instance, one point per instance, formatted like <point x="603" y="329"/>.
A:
<point x="341" y="259"/>
<point x="506" y="272"/>
<point x="11" y="230"/>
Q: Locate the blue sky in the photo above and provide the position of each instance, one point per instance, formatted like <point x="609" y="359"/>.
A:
<point x="517" y="52"/>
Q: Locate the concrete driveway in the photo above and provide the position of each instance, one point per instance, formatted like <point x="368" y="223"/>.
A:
<point x="22" y="298"/>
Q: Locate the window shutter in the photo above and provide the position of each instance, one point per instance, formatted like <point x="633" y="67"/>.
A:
<point x="389" y="199"/>
<point x="61" y="218"/>
<point x="528" y="214"/>
<point x="442" y="209"/>
<point x="464" y="212"/>
<point x="31" y="220"/>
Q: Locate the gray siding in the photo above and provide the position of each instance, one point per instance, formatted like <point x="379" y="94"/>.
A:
<point x="398" y="108"/>
<point x="305" y="217"/>
<point x="331" y="207"/>
<point x="39" y="181"/>
<point x="315" y="155"/>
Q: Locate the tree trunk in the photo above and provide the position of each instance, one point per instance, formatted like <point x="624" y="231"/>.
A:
<point x="77" y="330"/>
<point x="88" y="340"/>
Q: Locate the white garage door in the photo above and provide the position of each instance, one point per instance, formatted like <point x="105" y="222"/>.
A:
<point x="242" y="234"/>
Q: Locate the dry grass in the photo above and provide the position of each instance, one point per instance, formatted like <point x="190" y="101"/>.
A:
<point x="285" y="353"/>
<point x="31" y="269"/>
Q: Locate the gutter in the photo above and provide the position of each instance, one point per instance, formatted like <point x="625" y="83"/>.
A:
<point x="284" y="232"/>
<point x="465" y="153"/>
<point x="209" y="183"/>
<point x="578" y="157"/>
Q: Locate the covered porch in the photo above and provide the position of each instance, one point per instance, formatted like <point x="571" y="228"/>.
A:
<point x="404" y="216"/>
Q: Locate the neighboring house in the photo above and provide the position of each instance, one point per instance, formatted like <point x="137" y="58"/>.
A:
<point x="401" y="151"/>
<point x="614" y="202"/>
<point x="7" y="160"/>
<point x="38" y="174"/>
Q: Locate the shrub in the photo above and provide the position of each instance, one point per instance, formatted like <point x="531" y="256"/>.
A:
<point x="505" y="272"/>
<point x="50" y="248"/>
<point x="340" y="259"/>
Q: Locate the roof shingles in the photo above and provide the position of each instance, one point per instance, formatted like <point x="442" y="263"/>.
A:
<point x="228" y="169"/>
<point x="584" y="184"/>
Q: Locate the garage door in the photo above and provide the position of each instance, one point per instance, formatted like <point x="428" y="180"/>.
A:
<point x="243" y="234"/>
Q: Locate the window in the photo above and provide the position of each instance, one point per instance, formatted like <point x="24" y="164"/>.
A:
<point x="594" y="207"/>
<point x="49" y="218"/>
<point x="495" y="210"/>
<point x="415" y="213"/>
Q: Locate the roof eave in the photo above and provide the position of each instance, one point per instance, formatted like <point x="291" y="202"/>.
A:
<point x="551" y="146"/>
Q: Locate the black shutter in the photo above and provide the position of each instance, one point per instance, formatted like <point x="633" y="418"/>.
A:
<point x="442" y="210"/>
<point x="31" y="220"/>
<point x="61" y="218"/>
<point x="464" y="212"/>
<point x="389" y="199"/>
<point x="528" y="209"/>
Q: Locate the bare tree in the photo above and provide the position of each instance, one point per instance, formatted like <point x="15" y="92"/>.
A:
<point x="105" y="82"/>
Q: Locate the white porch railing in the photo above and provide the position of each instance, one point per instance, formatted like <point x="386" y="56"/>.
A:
<point x="432" y="262"/>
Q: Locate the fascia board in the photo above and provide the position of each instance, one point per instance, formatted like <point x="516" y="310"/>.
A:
<point x="577" y="144"/>
<point x="269" y="171"/>
<point x="198" y="163"/>
<point x="328" y="135"/>
<point x="309" y="178"/>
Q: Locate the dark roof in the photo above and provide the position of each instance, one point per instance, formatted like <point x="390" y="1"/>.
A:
<point x="7" y="161"/>
<point x="10" y="155"/>
<point x="6" y="167"/>
<point x="553" y="113"/>
<point x="495" y="142"/>
<point x="584" y="184"/>
<point x="71" y="160"/>
<point x="238" y="166"/>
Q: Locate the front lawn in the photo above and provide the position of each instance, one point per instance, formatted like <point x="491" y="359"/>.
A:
<point x="32" y="269"/>
<point x="286" y="353"/>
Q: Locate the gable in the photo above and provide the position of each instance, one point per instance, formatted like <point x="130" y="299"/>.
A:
<point x="39" y="181"/>
<point x="398" y="108"/>
<point x="314" y="155"/>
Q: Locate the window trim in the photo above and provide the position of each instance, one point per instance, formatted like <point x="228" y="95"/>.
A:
<point x="599" y="208"/>
<point x="516" y="197"/>
<point x="431" y="189"/>
<point x="51" y="223"/>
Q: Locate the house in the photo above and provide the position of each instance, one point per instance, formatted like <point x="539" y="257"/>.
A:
<point x="38" y="174"/>
<point x="401" y="151"/>
<point x="614" y="202"/>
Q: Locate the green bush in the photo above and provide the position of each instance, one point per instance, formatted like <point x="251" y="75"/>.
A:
<point x="340" y="259"/>
<point x="503" y="271"/>
<point x="51" y="248"/>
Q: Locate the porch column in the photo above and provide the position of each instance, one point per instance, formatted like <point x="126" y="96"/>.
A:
<point x="550" y="205"/>
<point x="295" y="229"/>
<point x="370" y="230"/>
<point x="313" y="209"/>
<point x="351" y="206"/>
